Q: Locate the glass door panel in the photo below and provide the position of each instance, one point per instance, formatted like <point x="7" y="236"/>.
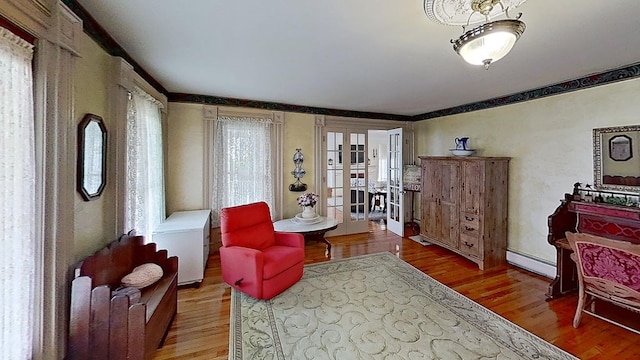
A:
<point x="346" y="180"/>
<point x="395" y="190"/>
<point x="357" y="182"/>
<point x="335" y="177"/>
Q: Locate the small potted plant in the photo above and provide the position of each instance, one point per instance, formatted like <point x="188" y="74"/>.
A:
<point x="307" y="201"/>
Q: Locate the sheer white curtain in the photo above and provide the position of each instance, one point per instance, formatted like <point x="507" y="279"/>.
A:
<point x="17" y="184"/>
<point x="145" y="207"/>
<point x="242" y="163"/>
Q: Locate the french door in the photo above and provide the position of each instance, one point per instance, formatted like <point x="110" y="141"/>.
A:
<point x="395" y="187"/>
<point x="346" y="190"/>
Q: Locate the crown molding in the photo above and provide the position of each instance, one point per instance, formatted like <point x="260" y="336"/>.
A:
<point x="34" y="17"/>
<point x="216" y="100"/>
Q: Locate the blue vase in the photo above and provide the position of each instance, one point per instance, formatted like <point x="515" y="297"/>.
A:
<point x="461" y="143"/>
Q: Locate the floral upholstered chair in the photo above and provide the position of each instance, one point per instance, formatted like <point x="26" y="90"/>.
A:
<point x="608" y="270"/>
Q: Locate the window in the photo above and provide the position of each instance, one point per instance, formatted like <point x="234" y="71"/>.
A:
<point x="145" y="206"/>
<point x="243" y="164"/>
<point x="357" y="154"/>
<point x="17" y="196"/>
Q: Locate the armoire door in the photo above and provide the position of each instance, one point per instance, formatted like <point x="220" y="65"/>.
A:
<point x="472" y="176"/>
<point x="440" y="201"/>
<point x="448" y="205"/>
<point x="429" y="199"/>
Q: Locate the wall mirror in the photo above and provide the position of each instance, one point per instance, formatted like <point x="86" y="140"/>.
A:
<point x="92" y="157"/>
<point x="616" y="158"/>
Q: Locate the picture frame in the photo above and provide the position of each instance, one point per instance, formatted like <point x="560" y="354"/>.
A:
<point x="411" y="177"/>
<point x="615" y="167"/>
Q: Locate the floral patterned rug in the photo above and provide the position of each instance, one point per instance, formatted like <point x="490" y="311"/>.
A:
<point x="375" y="307"/>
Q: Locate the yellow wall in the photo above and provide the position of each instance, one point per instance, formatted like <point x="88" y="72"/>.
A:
<point x="185" y="156"/>
<point x="298" y="134"/>
<point x="550" y="144"/>
<point x="94" y="220"/>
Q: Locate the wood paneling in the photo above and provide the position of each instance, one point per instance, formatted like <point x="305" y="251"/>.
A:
<point x="201" y="327"/>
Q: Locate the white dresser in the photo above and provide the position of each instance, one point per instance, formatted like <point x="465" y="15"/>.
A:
<point x="185" y="234"/>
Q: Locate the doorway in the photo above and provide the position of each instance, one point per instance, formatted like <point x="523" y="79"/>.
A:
<point x="377" y="176"/>
<point x="354" y="168"/>
<point x="346" y="180"/>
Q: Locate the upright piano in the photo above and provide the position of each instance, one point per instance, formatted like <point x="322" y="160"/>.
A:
<point x="618" y="222"/>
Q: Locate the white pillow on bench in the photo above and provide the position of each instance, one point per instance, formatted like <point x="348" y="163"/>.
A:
<point x="143" y="276"/>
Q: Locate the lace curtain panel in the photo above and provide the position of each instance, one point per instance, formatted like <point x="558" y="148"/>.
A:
<point x="242" y="163"/>
<point x="145" y="204"/>
<point x="17" y="184"/>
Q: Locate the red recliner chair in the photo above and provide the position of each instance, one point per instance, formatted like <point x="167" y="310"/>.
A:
<point x="255" y="259"/>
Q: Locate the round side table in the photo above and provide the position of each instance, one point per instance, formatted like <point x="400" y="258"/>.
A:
<point x="311" y="232"/>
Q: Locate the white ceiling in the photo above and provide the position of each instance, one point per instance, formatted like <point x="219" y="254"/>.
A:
<point x="374" y="56"/>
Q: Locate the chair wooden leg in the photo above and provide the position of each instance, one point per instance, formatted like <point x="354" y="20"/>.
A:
<point x="582" y="298"/>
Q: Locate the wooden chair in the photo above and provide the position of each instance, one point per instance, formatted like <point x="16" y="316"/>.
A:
<point x="608" y="270"/>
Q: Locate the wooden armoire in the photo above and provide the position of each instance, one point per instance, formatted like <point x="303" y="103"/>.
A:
<point x="464" y="206"/>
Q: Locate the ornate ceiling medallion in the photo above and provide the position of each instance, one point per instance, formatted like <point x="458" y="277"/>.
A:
<point x="461" y="12"/>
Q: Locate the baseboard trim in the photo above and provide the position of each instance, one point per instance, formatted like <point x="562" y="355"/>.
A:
<point x="530" y="264"/>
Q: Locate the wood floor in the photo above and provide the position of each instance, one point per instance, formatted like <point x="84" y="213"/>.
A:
<point x="201" y="327"/>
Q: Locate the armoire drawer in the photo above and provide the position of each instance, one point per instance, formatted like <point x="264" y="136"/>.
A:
<point x="470" y="245"/>
<point x="470" y="221"/>
<point x="470" y="230"/>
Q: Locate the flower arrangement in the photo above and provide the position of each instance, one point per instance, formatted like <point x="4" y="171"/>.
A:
<point x="308" y="199"/>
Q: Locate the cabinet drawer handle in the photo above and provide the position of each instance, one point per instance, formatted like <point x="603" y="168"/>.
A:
<point x="469" y="245"/>
<point x="468" y="228"/>
<point x="468" y="218"/>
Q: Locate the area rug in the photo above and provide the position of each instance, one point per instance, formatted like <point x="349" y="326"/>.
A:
<point x="374" y="307"/>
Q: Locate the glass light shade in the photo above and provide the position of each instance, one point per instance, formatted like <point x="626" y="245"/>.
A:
<point x="491" y="47"/>
<point x="489" y="42"/>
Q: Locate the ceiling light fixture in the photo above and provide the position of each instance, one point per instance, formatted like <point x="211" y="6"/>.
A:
<point x="484" y="44"/>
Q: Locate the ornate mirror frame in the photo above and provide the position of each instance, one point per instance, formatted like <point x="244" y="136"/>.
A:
<point x="92" y="157"/>
<point x="617" y="167"/>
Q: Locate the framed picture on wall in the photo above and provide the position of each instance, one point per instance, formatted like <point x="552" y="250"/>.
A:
<point x="615" y="166"/>
<point x="411" y="177"/>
